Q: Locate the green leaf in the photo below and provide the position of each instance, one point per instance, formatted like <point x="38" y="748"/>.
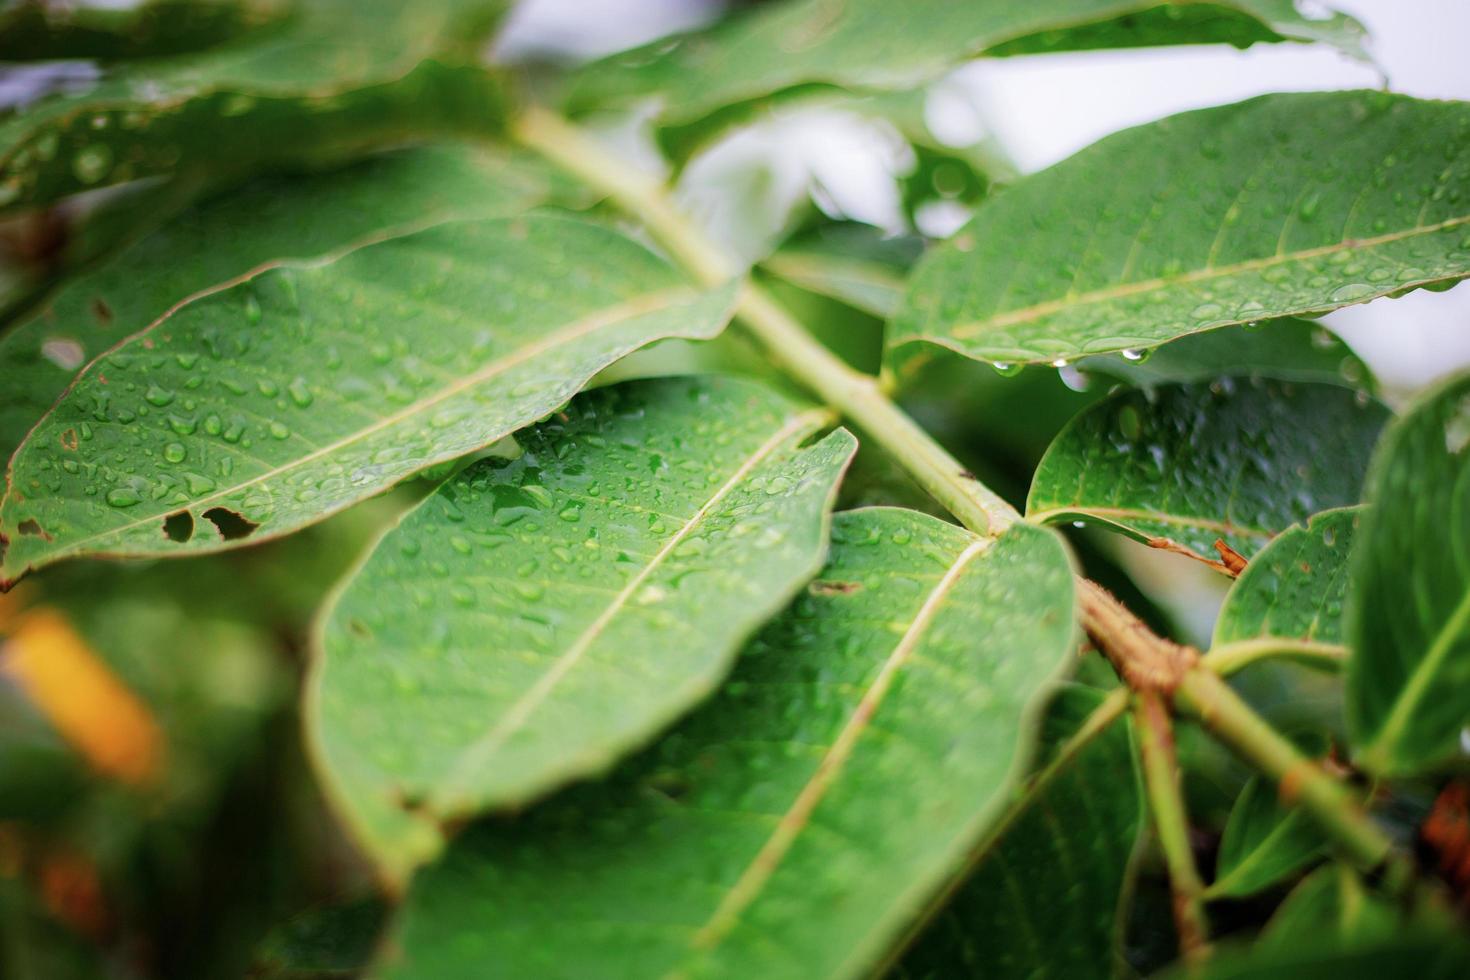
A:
<point x="254" y="411"/>
<point x="852" y="263"/>
<point x="1264" y="843"/>
<point x="1331" y="904"/>
<point x="1047" y="887"/>
<point x="875" y="44"/>
<point x="38" y="31"/>
<point x="336" y="77"/>
<point x="1290" y="597"/>
<point x="1408" y="620"/>
<point x="265" y="223"/>
<point x="1279" y="206"/>
<point x="1290" y="350"/>
<point x="1181" y="466"/>
<point x="536" y="619"/>
<point x="331" y="941"/>
<point x="795" y="824"/>
<point x="1421" y="954"/>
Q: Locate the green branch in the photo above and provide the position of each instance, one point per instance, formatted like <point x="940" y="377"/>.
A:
<point x="1171" y="822"/>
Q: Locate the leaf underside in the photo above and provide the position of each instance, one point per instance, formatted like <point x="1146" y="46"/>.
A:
<point x="270" y="405"/>
<point x="1183" y="465"/>
<point x="1278" y="206"/>
<point x="537" y="618"/>
<point x="1408" y="679"/>
<point x="756" y="839"/>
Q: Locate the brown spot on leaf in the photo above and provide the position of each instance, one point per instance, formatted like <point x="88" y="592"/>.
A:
<point x="1233" y="561"/>
<point x="69" y="440"/>
<point x="834" y="588"/>
<point x="31" y="527"/>
<point x="101" y="311"/>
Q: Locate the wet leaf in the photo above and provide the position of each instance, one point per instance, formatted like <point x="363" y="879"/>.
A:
<point x="1181" y="466"/>
<point x="1289" y="350"/>
<point x="757" y="839"/>
<point x="1047" y="886"/>
<point x="875" y="44"/>
<point x="334" y="78"/>
<point x="109" y="31"/>
<point x="267" y="222"/>
<point x="257" y="410"/>
<point x="852" y="263"/>
<point x="1279" y="206"/>
<point x="1408" y="679"/>
<point x="538" y="618"/>
<point x="1264" y="843"/>
<point x="1290" y="597"/>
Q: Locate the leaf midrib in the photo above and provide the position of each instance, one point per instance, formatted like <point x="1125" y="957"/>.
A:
<point x="1036" y="311"/>
<point x="1418" y="685"/>
<point x="605" y="317"/>
<point x="763" y="866"/>
<point x="448" y="797"/>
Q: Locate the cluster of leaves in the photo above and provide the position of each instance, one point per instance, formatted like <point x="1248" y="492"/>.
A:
<point x="708" y="714"/>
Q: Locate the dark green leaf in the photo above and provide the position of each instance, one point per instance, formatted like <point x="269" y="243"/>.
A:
<point x="1331" y="905"/>
<point x="254" y="411"/>
<point x="1289" y="350"/>
<point x="536" y="619"/>
<point x="332" y="941"/>
<point x="1408" y="679"/>
<point x="1290" y="597"/>
<point x="876" y="44"/>
<point x="1421" y="954"/>
<point x="1279" y="206"/>
<point x="1045" y="893"/>
<point x="336" y="77"/>
<point x="1264" y="843"/>
<point x="265" y="223"/>
<point x="1184" y="465"/>
<point x="798" y="821"/>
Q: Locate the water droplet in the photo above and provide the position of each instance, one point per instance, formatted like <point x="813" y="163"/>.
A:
<point x="174" y="452"/>
<point x="123" y="497"/>
<point x="279" y="430"/>
<point x="1135" y="355"/>
<point x="158" y="396"/>
<point x="1006" y="369"/>
<point x="1059" y="363"/>
<point x="92" y="163"/>
<point x="252" y="309"/>
<point x="299" y="392"/>
<point x="1352" y="291"/>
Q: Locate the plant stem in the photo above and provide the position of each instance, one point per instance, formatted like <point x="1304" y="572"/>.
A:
<point x="1166" y="805"/>
<point x="1301" y="781"/>
<point x="1147" y="662"/>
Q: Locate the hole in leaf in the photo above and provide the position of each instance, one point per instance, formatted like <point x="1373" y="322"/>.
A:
<point x="32" y="528"/>
<point x="179" y="527"/>
<point x="231" y="525"/>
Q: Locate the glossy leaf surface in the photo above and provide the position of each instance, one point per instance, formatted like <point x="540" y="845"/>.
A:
<point x="269" y="405"/>
<point x="757" y="838"/>
<point x="875" y="44"/>
<point x="1044" y="895"/>
<point x="536" y="619"/>
<point x="267" y="222"/>
<point x="1408" y="681"/>
<point x="1290" y="597"/>
<point x="1282" y="205"/>
<point x="1183" y="465"/>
